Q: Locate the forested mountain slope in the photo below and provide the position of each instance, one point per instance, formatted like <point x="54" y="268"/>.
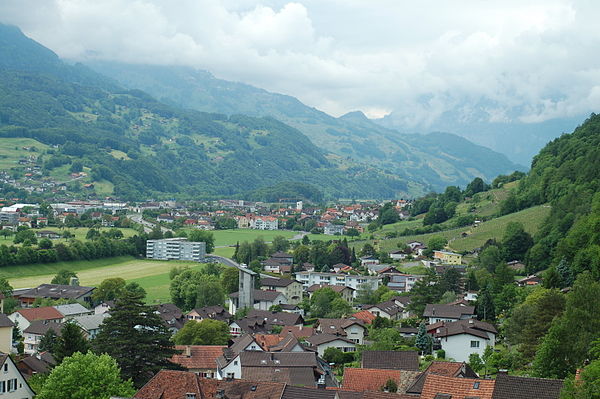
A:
<point x="145" y="148"/>
<point x="434" y="160"/>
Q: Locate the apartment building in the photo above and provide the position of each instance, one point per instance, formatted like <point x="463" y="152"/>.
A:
<point x="176" y="248"/>
<point x="347" y="280"/>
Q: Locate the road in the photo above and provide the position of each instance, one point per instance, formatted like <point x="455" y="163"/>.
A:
<point x="148" y="227"/>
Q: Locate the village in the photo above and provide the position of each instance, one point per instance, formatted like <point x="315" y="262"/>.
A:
<point x="356" y="328"/>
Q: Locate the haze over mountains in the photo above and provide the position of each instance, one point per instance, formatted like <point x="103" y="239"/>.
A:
<point x="172" y="151"/>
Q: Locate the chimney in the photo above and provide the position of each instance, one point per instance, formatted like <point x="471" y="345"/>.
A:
<point x="188" y="351"/>
<point x="502" y="372"/>
<point x="471" y="321"/>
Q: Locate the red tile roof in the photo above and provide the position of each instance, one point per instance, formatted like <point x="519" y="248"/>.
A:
<point x="44" y="313"/>
<point x="356" y="379"/>
<point x="364" y="315"/>
<point x="201" y="356"/>
<point x="457" y="387"/>
<point x="266" y="341"/>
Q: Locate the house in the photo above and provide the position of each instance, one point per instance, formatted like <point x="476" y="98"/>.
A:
<point x="513" y="387"/>
<point x="448" y="369"/>
<point x="39" y="363"/>
<point x="529" y="281"/>
<point x="320" y="342"/>
<point x="347" y="293"/>
<point x="365" y="379"/>
<point x="449" y="258"/>
<point x="461" y="338"/>
<point x="294" y="368"/>
<point x="352" y="330"/>
<point x="402" y="282"/>
<point x="228" y="364"/>
<point x="90" y="324"/>
<point x="13" y="384"/>
<point x="279" y="342"/>
<point x="438" y="386"/>
<point x="408" y="332"/>
<point x="56" y="291"/>
<point x="368" y="260"/>
<point x="33" y="334"/>
<point x="516" y="265"/>
<point x="171" y="316"/>
<point x="390" y="360"/>
<point x="442" y="312"/>
<point x="52" y="235"/>
<point x="264" y="223"/>
<point x="6" y="331"/>
<point x="283" y="258"/>
<point x="104" y="307"/>
<point x="71" y="310"/>
<point x="276" y="318"/>
<point x="199" y="359"/>
<point x="171" y="384"/>
<point x="397" y="254"/>
<point x="291" y="289"/>
<point x="263" y="300"/>
<point x="273" y="266"/>
<point x="309" y="278"/>
<point x="394" y="309"/>
<point x="216" y="312"/>
<point x="342" y="268"/>
<point x="333" y="229"/>
<point x="24" y="317"/>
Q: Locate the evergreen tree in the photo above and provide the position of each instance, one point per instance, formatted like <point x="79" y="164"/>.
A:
<point x="71" y="340"/>
<point x="48" y="341"/>
<point x="565" y="272"/>
<point x="137" y="338"/>
<point x="423" y="340"/>
<point x="485" y="304"/>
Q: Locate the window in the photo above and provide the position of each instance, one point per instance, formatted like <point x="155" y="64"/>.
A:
<point x="235" y="362"/>
<point x="2" y="386"/>
<point x="6" y="367"/>
<point x="190" y="396"/>
<point x="230" y="375"/>
<point x="474" y="344"/>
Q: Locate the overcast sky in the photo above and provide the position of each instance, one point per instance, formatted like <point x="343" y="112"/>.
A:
<point x="517" y="60"/>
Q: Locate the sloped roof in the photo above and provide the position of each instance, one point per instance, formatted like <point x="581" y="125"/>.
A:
<point x="319" y="339"/>
<point x="363" y="379"/>
<point x="201" y="356"/>
<point x="266" y="341"/>
<point x="469" y="326"/>
<point x="447" y="369"/>
<point x="448" y="311"/>
<point x="276" y="282"/>
<point x="513" y="387"/>
<point x="337" y="326"/>
<point x="38" y="365"/>
<point x="216" y="312"/>
<point x="71" y="309"/>
<point x="298" y="331"/>
<point x="336" y="288"/>
<point x="57" y="291"/>
<point x="171" y="384"/>
<point x="39" y="327"/>
<point x="261" y="295"/>
<point x="5" y="321"/>
<point x="397" y="360"/>
<point x="91" y="322"/>
<point x="364" y="315"/>
<point x="278" y="359"/>
<point x="43" y="313"/>
<point x="457" y="387"/>
<point x="278" y="318"/>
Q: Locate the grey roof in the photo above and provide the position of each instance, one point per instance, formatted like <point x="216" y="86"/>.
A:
<point x="337" y="326"/>
<point x="278" y="359"/>
<point x="39" y="327"/>
<point x="276" y="282"/>
<point x="469" y="326"/>
<point x="40" y="363"/>
<point x="5" y="321"/>
<point x="512" y="387"/>
<point x="56" y="291"/>
<point x="71" y="309"/>
<point x="216" y="312"/>
<point x="292" y="392"/>
<point x="336" y="288"/>
<point x="261" y="295"/>
<point x="279" y="318"/>
<point x="91" y="322"/>
<point x="448" y="311"/>
<point x="393" y="360"/>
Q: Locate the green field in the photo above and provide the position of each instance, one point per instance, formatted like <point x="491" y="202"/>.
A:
<point x="11" y="150"/>
<point x="152" y="275"/>
<point x="79" y="232"/>
<point x="476" y="236"/>
<point x="231" y="237"/>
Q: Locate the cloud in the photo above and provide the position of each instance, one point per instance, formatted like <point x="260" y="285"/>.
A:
<point x="501" y="61"/>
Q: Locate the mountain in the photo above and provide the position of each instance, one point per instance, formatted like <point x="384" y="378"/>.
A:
<point x="136" y="147"/>
<point x="431" y="161"/>
<point x="520" y="141"/>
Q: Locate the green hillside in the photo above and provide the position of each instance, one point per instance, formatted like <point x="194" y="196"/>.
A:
<point x="434" y="160"/>
<point x="134" y="147"/>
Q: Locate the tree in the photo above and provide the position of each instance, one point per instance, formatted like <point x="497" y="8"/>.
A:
<point x="48" y="341"/>
<point x="109" y="289"/>
<point x="205" y="332"/>
<point x="301" y="254"/>
<point x="476" y="186"/>
<point x="565" y="272"/>
<point x="566" y="345"/>
<point x="137" y="338"/>
<point x="352" y="232"/>
<point x="516" y="241"/>
<point x="203" y="236"/>
<point x="230" y="280"/>
<point x="588" y="385"/>
<point x="86" y="376"/>
<point x="390" y="386"/>
<point x="337" y="356"/>
<point x="26" y="235"/>
<point x="71" y="340"/>
<point x="63" y="277"/>
<point x="184" y="288"/>
<point x="339" y="308"/>
<point x="423" y="340"/>
<point x="210" y="292"/>
<point x="485" y="304"/>
<point x="451" y="281"/>
<point x="367" y="250"/>
<point x="365" y="295"/>
<point x="475" y="362"/>
<point x="425" y="291"/>
<point x="320" y="301"/>
<point x="437" y="243"/>
<point x="45" y="243"/>
<point x="280" y="244"/>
